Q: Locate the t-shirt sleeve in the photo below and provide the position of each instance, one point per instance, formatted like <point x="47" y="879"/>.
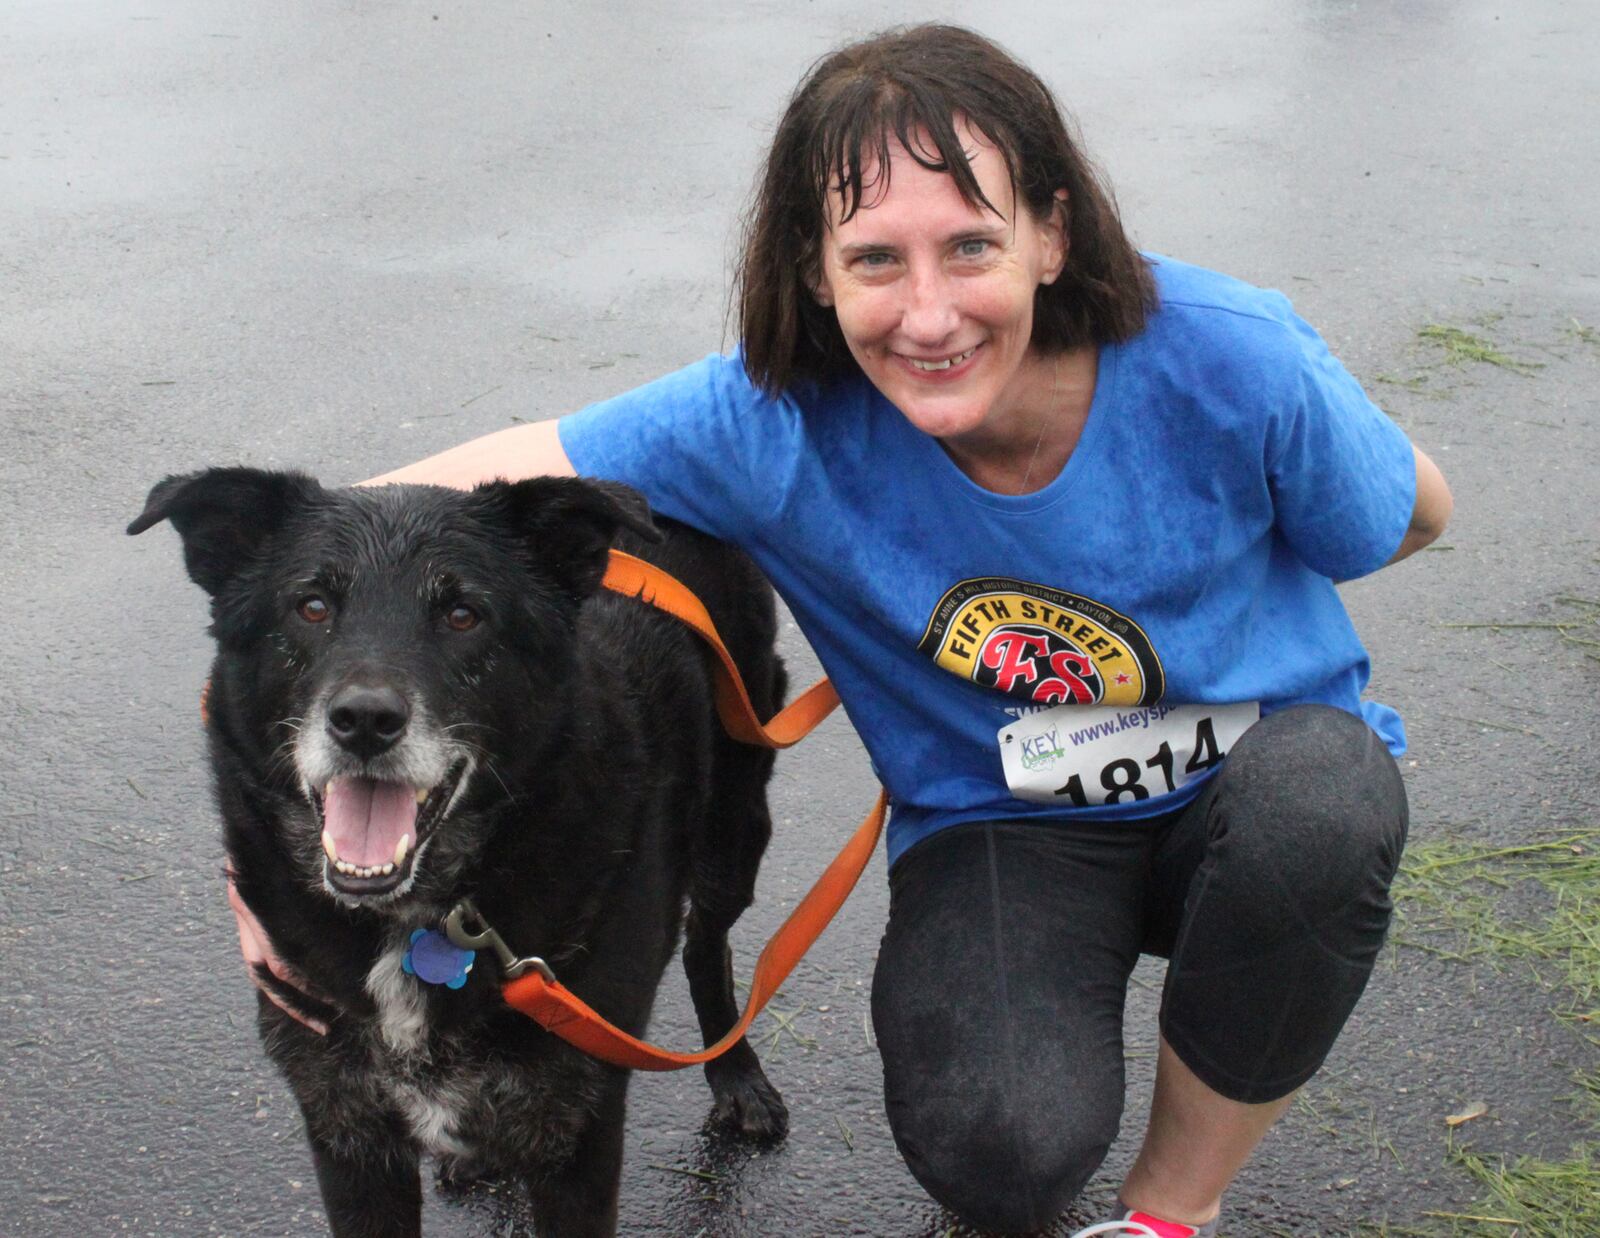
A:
<point x="1342" y="474"/>
<point x="703" y="445"/>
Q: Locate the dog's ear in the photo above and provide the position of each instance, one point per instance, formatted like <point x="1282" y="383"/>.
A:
<point x="224" y="516"/>
<point x="570" y="523"/>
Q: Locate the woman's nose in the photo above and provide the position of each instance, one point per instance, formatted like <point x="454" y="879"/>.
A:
<point x="929" y="316"/>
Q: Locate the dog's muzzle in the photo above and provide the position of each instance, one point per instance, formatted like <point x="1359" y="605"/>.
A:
<point x="373" y="831"/>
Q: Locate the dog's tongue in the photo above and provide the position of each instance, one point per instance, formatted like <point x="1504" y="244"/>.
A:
<point x="367" y="818"/>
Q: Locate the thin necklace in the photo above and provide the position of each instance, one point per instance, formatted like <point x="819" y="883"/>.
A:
<point x="1055" y="391"/>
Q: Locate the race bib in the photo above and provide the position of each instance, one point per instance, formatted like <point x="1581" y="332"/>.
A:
<point x="1081" y="755"/>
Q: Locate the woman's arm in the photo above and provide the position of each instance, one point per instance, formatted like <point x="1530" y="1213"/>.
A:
<point x="1430" y="513"/>
<point x="532" y="450"/>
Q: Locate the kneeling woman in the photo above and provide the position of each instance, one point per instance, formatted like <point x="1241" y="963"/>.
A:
<point x="1062" y="522"/>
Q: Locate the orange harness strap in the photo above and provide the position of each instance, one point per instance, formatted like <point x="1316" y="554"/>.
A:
<point x="555" y="1008"/>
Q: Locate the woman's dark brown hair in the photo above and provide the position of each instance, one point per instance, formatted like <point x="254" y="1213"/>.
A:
<point x="908" y="86"/>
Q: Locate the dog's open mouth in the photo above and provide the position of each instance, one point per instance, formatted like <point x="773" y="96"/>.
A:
<point x="372" y="831"/>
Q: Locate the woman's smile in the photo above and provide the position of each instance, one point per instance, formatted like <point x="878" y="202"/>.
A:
<point x="945" y="366"/>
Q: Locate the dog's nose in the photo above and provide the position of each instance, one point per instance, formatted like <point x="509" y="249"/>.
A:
<point x="365" y="720"/>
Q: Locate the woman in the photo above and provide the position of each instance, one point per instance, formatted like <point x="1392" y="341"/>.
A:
<point x="1062" y="523"/>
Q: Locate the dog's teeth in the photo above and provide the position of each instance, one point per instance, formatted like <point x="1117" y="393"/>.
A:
<point x="400" y="849"/>
<point x="422" y="795"/>
<point x="327" y="845"/>
<point x="387" y="869"/>
<point x="327" y="791"/>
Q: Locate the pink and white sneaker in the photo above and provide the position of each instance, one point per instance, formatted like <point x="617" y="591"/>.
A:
<point x="1142" y="1225"/>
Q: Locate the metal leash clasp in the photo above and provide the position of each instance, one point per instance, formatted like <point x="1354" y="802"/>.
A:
<point x="466" y="928"/>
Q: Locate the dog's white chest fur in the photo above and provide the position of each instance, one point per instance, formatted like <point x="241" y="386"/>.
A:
<point x="434" y="1109"/>
<point x="435" y="1115"/>
<point x="402" y="1012"/>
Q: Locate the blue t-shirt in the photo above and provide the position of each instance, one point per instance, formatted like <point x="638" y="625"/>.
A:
<point x="1229" y="471"/>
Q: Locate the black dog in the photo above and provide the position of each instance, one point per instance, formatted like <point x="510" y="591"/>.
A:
<point x="422" y="694"/>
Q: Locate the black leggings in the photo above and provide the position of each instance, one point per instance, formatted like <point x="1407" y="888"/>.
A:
<point x="999" y="988"/>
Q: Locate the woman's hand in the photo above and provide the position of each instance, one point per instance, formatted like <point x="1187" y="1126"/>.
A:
<point x="261" y="962"/>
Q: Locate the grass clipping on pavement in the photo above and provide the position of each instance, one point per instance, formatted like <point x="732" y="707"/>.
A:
<point x="1537" y="905"/>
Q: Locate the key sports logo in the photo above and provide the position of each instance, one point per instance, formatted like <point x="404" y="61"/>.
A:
<point x="1042" y="645"/>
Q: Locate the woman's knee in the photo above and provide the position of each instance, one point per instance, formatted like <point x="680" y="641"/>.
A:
<point x="1001" y="1129"/>
<point x="999" y="1172"/>
<point x="1000" y="1121"/>
<point x="1312" y="792"/>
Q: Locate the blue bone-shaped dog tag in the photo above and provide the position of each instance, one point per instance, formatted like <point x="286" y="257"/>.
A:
<point x="434" y="959"/>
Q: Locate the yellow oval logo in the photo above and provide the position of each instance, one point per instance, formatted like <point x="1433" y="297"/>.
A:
<point x="1042" y="645"/>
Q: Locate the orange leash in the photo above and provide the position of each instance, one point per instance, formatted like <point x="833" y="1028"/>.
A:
<point x="556" y="1008"/>
<point x="637" y="579"/>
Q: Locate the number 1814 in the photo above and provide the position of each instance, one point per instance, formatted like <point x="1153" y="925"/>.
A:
<point x="1125" y="775"/>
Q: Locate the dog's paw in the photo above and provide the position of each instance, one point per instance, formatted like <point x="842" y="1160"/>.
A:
<point x="749" y="1106"/>
<point x="461" y="1173"/>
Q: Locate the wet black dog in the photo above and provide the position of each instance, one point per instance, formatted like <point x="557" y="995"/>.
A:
<point x="422" y="694"/>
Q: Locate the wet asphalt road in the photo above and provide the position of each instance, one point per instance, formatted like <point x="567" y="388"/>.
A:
<point x="340" y="236"/>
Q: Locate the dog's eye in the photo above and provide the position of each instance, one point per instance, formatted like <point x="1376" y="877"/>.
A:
<point x="314" y="610"/>
<point x="462" y="618"/>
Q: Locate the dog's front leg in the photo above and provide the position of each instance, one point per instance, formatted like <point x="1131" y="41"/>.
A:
<point x="371" y="1187"/>
<point x="578" y="1199"/>
<point x="746" y="1101"/>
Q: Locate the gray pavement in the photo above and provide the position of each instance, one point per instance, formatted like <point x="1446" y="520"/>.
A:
<point x="340" y="236"/>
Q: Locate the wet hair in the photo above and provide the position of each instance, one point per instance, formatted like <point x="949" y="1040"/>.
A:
<point x="909" y="86"/>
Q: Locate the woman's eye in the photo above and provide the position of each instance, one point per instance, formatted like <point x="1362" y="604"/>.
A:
<point x="875" y="261"/>
<point x="462" y="618"/>
<point x="314" y="610"/>
<point x="973" y="249"/>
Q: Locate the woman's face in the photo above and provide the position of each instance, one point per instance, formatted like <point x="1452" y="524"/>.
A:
<point x="935" y="297"/>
